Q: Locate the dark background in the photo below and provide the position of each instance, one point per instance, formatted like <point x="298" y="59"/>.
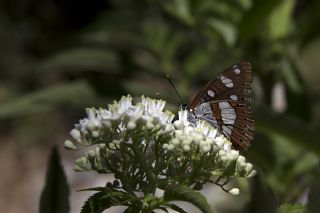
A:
<point x="59" y="56"/>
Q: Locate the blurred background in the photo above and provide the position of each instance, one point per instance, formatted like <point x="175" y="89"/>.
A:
<point x="59" y="56"/>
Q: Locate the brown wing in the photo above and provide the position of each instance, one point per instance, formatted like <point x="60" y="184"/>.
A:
<point x="235" y="121"/>
<point x="234" y="83"/>
<point x="230" y="96"/>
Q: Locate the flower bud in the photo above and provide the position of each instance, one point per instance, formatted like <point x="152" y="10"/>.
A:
<point x="170" y="147"/>
<point x="75" y="134"/>
<point x="234" y="154"/>
<point x="234" y="191"/>
<point x="186" y="148"/>
<point x="222" y="152"/>
<point x="111" y="146"/>
<point x="252" y="173"/>
<point x="81" y="164"/>
<point x="91" y="153"/>
<point x="241" y="159"/>
<point x="249" y="167"/>
<point x="69" y="145"/>
<point x="95" y="134"/>
<point x="91" y="126"/>
<point x="149" y="125"/>
<point x="175" y="141"/>
<point x="131" y="125"/>
<point x="177" y="124"/>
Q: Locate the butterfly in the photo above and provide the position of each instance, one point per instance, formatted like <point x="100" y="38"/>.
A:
<point x="225" y="104"/>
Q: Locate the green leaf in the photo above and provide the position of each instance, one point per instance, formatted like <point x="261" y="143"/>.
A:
<point x="71" y="94"/>
<point x="291" y="208"/>
<point x="93" y="204"/>
<point x="81" y="59"/>
<point x="226" y="30"/>
<point x="279" y="21"/>
<point x="181" y="9"/>
<point x="185" y="193"/>
<point x="108" y="198"/>
<point x="55" y="195"/>
<point x="176" y="208"/>
<point x="314" y="194"/>
<point x="253" y="19"/>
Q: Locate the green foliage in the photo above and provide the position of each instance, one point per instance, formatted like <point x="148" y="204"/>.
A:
<point x="70" y="95"/>
<point x="55" y="195"/>
<point x="58" y="57"/>
<point x="185" y="193"/>
<point x="262" y="198"/>
<point x="291" y="208"/>
<point x="314" y="194"/>
<point x="107" y="198"/>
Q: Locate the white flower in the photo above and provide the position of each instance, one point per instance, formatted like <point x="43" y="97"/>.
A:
<point x="121" y="117"/>
<point x="199" y="135"/>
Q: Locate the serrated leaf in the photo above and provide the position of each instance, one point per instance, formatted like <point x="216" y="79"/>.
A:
<point x="291" y="208"/>
<point x="314" y="194"/>
<point x="93" y="204"/>
<point x="185" y="193"/>
<point x="108" y="198"/>
<point x="70" y="94"/>
<point x="55" y="195"/>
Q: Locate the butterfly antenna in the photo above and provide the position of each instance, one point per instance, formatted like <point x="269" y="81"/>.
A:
<point x="175" y="89"/>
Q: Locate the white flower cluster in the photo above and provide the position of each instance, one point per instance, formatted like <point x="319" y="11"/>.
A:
<point x="147" y="125"/>
<point x="204" y="139"/>
<point x="202" y="136"/>
<point x="119" y="120"/>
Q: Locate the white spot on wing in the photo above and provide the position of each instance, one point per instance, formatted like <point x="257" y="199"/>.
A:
<point x="229" y="85"/>
<point x="210" y="93"/>
<point x="223" y="105"/>
<point x="237" y="71"/>
<point x="228" y="121"/>
<point x="226" y="81"/>
<point x="234" y="97"/>
<point x="228" y="110"/>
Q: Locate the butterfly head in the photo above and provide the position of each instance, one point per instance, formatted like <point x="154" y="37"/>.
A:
<point x="183" y="107"/>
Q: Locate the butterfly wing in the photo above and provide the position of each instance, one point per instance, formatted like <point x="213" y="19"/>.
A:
<point x="235" y="121"/>
<point x="229" y="97"/>
<point x="234" y="83"/>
